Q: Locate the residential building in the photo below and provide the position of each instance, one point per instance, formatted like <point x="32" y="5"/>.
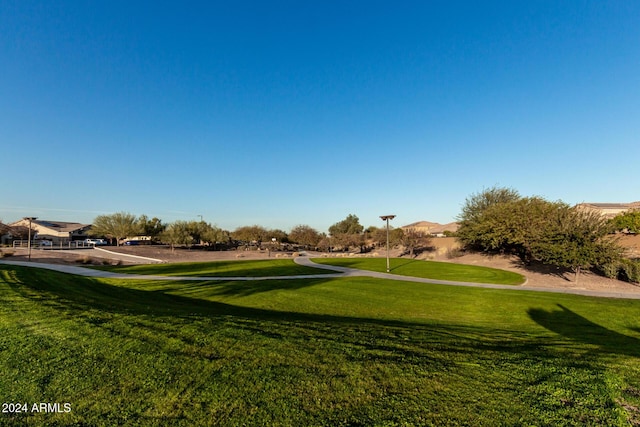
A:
<point x="56" y="231"/>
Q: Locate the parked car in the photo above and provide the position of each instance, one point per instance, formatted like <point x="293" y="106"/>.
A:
<point x="132" y="242"/>
<point x="95" y="242"/>
<point x="45" y="243"/>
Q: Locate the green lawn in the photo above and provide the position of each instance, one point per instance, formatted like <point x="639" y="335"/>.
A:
<point x="331" y="352"/>
<point x="250" y="268"/>
<point x="429" y="269"/>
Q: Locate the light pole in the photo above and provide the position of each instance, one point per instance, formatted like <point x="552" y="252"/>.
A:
<point x="30" y="218"/>
<point x="387" y="218"/>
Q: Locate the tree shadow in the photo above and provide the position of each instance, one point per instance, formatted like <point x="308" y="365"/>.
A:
<point x="398" y="263"/>
<point x="157" y="309"/>
<point x="261" y="268"/>
<point x="536" y="267"/>
<point x="573" y="326"/>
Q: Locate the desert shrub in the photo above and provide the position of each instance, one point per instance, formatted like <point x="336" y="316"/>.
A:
<point x="84" y="260"/>
<point x="630" y="270"/>
<point x="610" y="270"/>
<point x="454" y="252"/>
<point x="106" y="261"/>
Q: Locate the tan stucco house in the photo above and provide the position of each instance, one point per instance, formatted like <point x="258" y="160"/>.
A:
<point x="608" y="210"/>
<point x="56" y="231"/>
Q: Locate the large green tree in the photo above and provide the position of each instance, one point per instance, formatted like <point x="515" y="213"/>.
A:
<point x="500" y="221"/>
<point x="118" y="226"/>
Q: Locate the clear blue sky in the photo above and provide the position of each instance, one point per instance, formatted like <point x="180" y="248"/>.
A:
<point x="287" y="112"/>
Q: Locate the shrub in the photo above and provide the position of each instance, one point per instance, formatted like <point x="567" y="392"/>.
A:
<point x="454" y="252"/>
<point x="630" y="270"/>
<point x="610" y="270"/>
<point x="84" y="260"/>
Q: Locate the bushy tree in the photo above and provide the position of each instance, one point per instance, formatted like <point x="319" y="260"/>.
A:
<point x="576" y="239"/>
<point x="252" y="233"/>
<point x="500" y="221"/>
<point x="415" y="241"/>
<point x="347" y="233"/>
<point x="305" y="235"/>
<point x="628" y="221"/>
<point x="177" y="233"/>
<point x="118" y="226"/>
<point x="378" y="236"/>
<point x="213" y="235"/>
<point x="280" y="235"/>
<point x="150" y="227"/>
<point x="476" y="204"/>
<point x="349" y="225"/>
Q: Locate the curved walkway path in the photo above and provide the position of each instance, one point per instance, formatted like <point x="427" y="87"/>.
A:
<point x="305" y="261"/>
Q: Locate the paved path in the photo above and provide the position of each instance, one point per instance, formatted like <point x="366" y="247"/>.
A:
<point x="305" y="261"/>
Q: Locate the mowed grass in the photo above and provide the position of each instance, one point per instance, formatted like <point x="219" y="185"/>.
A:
<point x="247" y="268"/>
<point x="330" y="352"/>
<point x="430" y="269"/>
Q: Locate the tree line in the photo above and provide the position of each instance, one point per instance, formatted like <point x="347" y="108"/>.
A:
<point x="347" y="234"/>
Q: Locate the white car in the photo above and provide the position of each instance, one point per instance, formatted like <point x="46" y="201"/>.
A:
<point x="95" y="242"/>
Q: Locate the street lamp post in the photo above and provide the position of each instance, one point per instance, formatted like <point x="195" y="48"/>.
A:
<point x="30" y="218"/>
<point x="387" y="218"/>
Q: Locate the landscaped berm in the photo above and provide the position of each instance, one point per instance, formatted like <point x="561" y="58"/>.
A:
<point x="322" y="351"/>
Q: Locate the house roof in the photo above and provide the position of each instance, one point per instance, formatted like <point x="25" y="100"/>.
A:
<point x="432" y="227"/>
<point x="58" y="226"/>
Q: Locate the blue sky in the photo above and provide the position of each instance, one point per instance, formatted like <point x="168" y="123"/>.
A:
<point x="284" y="113"/>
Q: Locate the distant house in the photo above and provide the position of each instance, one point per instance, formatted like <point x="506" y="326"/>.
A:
<point x="5" y="234"/>
<point x="56" y="231"/>
<point x="431" y="228"/>
<point x="608" y="210"/>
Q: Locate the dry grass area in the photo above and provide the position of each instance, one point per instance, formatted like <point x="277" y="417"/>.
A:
<point x="537" y="275"/>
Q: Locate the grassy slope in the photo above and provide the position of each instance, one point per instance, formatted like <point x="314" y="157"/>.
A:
<point x="430" y="269"/>
<point x="320" y="352"/>
<point x="260" y="268"/>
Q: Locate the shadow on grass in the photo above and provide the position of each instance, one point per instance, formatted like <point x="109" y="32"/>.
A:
<point x="575" y="327"/>
<point x="399" y="263"/>
<point x="93" y="299"/>
<point x="261" y="268"/>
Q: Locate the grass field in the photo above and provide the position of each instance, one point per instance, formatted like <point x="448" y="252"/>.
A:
<point x="429" y="269"/>
<point x="250" y="268"/>
<point x="352" y="351"/>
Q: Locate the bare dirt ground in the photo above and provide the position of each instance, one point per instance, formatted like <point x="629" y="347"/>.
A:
<point x="537" y="275"/>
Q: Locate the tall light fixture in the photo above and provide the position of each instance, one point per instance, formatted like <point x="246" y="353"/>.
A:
<point x="30" y="218"/>
<point x="387" y="218"/>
